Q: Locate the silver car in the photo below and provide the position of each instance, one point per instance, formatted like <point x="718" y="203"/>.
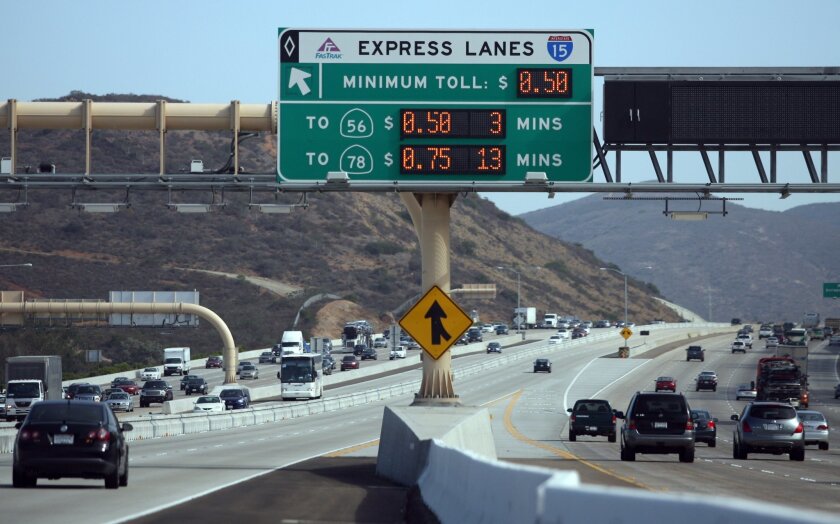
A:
<point x="768" y="427"/>
<point x="120" y="402"/>
<point x="771" y="342"/>
<point x="816" y="428"/>
<point x="249" y="371"/>
<point x="745" y="391"/>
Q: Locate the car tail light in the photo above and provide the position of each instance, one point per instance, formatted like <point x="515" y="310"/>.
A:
<point x="101" y="435"/>
<point x="631" y="424"/>
<point x="613" y="419"/>
<point x="710" y="424"/>
<point x="746" y="427"/>
<point x="689" y="425"/>
<point x="30" y="435"/>
<point x="572" y="418"/>
<point x="799" y="429"/>
<point x="822" y="427"/>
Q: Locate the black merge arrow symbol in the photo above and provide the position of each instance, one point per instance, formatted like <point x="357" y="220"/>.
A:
<point x="436" y="313"/>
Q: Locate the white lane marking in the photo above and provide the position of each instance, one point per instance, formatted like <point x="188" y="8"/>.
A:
<point x="736" y="465"/>
<point x="806" y="479"/>
<point x="767" y="471"/>
<point x="572" y="383"/>
<point x="621" y="377"/>
<point x="162" y="454"/>
<point x="218" y="445"/>
<point x="192" y="449"/>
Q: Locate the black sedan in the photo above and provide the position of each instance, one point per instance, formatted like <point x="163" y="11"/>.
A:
<point x="67" y="438"/>
<point x="705" y="427"/>
<point x="494" y="347"/>
<point x="369" y="353"/>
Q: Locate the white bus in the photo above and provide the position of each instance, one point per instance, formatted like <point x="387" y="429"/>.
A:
<point x="301" y="376"/>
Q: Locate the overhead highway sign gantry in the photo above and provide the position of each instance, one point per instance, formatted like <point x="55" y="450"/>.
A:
<point x="373" y="108"/>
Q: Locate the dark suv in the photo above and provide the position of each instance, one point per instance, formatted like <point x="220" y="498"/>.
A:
<point x="695" y="353"/>
<point x="657" y="423"/>
<point x="474" y="335"/>
<point x="195" y="384"/>
<point x="155" y="391"/>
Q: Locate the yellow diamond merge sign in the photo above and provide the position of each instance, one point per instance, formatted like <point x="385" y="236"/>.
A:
<point x="435" y="322"/>
<point x="626" y="333"/>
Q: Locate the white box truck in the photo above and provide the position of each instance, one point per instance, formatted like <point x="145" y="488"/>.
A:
<point x="31" y="379"/>
<point x="291" y="343"/>
<point x="525" y="317"/>
<point x="176" y="361"/>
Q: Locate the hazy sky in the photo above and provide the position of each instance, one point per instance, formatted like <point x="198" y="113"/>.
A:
<point x="217" y="51"/>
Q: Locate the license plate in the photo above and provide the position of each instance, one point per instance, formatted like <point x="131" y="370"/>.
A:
<point x="772" y="427"/>
<point x="63" y="439"/>
<point x="591" y="428"/>
<point x="660" y="425"/>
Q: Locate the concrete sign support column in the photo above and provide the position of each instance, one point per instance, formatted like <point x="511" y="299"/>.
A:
<point x="430" y="213"/>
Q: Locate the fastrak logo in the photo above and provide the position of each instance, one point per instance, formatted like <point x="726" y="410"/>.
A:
<point x="328" y="50"/>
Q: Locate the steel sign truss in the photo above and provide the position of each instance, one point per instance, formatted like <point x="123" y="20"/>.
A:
<point x="607" y="162"/>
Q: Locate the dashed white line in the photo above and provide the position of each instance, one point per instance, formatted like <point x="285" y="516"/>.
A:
<point x="736" y="465"/>
<point x="767" y="471"/>
<point x="192" y="449"/>
<point x="218" y="445"/>
<point x="806" y="479"/>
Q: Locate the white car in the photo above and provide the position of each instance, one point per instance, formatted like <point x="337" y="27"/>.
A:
<point x="397" y="352"/>
<point x="771" y="342"/>
<point x="555" y="339"/>
<point x="564" y="333"/>
<point x="765" y="332"/>
<point x="746" y="338"/>
<point x="209" y="403"/>
<point x="380" y="342"/>
<point x="150" y="374"/>
<point x="739" y="345"/>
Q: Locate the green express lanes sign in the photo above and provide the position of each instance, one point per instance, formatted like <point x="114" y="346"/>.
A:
<point x="436" y="108"/>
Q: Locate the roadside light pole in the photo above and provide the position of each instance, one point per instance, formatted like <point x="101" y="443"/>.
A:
<point x="518" y="296"/>
<point x="625" y="288"/>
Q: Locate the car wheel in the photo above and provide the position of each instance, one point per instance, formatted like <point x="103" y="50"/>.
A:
<point x="824" y="446"/>
<point x="797" y="454"/>
<point x="740" y="452"/>
<point x="628" y="455"/>
<point x="714" y="388"/>
<point x="713" y="443"/>
<point x="124" y="476"/>
<point x="22" y="480"/>
<point x="697" y="389"/>
<point x="687" y="455"/>
<point x="572" y="436"/>
<point x="611" y="437"/>
<point x="112" y="480"/>
<point x="142" y="404"/>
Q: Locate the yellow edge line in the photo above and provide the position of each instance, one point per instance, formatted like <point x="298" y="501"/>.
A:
<point x="352" y="449"/>
<point x="557" y="451"/>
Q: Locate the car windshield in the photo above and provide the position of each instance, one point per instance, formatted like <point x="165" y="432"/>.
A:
<point x="152" y="370"/>
<point x="118" y="396"/>
<point x="658" y="404"/>
<point x="664" y="379"/>
<point x="745" y="386"/>
<point x="154" y="384"/>
<point x="195" y="379"/>
<point x="172" y="361"/>
<point x="699" y="413"/>
<point x="772" y="412"/>
<point x="84" y="412"/>
<point x="23" y="390"/>
<point x="231" y="393"/>
<point x="208" y="400"/>
<point x="349" y="358"/>
<point x="248" y="367"/>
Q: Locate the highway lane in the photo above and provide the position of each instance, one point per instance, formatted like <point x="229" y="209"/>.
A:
<point x="538" y="415"/>
<point x="170" y="470"/>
